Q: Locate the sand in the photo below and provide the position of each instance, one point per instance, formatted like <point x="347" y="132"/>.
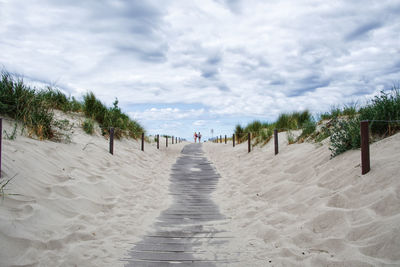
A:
<point x="301" y="208"/>
<point x="78" y="204"/>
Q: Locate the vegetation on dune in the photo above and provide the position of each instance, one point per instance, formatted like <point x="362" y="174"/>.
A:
<point x="88" y="126"/>
<point x="24" y="104"/>
<point x="341" y="125"/>
<point x="292" y="121"/>
<point x="34" y="108"/>
<point x="384" y="113"/>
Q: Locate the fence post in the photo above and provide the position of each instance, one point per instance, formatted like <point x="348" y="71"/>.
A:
<point x="166" y="143"/>
<point x="225" y="139"/>
<point x="365" y="162"/>
<point x="158" y="141"/>
<point x="1" y="140"/>
<point x="276" y="141"/>
<point x="142" y="141"/>
<point x="249" y="142"/>
<point x="112" y="140"/>
<point x="233" y="139"/>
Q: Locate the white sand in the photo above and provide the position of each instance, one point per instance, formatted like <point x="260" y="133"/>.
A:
<point x="79" y="205"/>
<point x="300" y="208"/>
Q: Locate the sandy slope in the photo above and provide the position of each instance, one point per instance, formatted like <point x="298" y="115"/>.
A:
<point x="300" y="208"/>
<point x="79" y="205"/>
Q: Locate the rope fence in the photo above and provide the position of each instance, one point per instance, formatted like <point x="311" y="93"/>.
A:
<point x="365" y="127"/>
<point x="175" y="140"/>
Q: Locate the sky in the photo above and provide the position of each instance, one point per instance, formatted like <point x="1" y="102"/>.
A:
<point x="179" y="66"/>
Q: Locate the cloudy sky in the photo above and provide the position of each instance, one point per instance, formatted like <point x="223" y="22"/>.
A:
<point x="178" y="66"/>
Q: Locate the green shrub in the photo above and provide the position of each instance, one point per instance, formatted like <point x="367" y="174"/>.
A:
<point x="345" y="136"/>
<point x="88" y="126"/>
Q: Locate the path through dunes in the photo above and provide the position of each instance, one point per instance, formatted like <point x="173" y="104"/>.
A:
<point x="191" y="231"/>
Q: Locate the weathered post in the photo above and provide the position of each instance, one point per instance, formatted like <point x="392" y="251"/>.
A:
<point x="233" y="139"/>
<point x="249" y="142"/>
<point x="172" y="139"/>
<point x="225" y="139"/>
<point x="158" y="141"/>
<point x="365" y="162"/>
<point x="176" y="140"/>
<point x="112" y="140"/>
<point x="1" y="140"/>
<point x="142" y="141"/>
<point x="166" y="141"/>
<point x="220" y="139"/>
<point x="276" y="141"/>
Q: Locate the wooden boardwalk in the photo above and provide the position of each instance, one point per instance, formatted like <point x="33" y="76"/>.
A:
<point x="191" y="231"/>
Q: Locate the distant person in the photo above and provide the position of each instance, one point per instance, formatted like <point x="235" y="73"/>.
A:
<point x="195" y="137"/>
<point x="199" y="136"/>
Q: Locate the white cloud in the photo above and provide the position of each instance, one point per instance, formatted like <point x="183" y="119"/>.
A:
<point x="236" y="58"/>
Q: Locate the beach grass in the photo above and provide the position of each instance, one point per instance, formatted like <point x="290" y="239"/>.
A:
<point x="341" y="125"/>
<point x="34" y="108"/>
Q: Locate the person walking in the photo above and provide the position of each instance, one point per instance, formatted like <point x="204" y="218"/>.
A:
<point x="199" y="136"/>
<point x="195" y="137"/>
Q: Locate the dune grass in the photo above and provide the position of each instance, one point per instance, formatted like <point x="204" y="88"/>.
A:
<point x="349" y="110"/>
<point x="383" y="112"/>
<point x="34" y="108"/>
<point x="343" y="127"/>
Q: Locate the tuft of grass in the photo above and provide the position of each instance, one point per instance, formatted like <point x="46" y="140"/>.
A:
<point x="3" y="184"/>
<point x="349" y="110"/>
<point x="88" y="126"/>
<point x="292" y="121"/>
<point x="13" y="135"/>
<point x="23" y="103"/>
<point x="111" y="117"/>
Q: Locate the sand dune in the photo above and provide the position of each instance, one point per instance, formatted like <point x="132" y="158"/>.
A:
<point x="81" y="206"/>
<point x="300" y="208"/>
<point x="78" y="204"/>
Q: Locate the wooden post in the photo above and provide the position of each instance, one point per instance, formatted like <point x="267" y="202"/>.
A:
<point x="158" y="141"/>
<point x="1" y="140"/>
<point x="166" y="143"/>
<point x="365" y="162"/>
<point x="176" y="140"/>
<point x="249" y="142"/>
<point x="172" y="139"/>
<point x="276" y="141"/>
<point x="112" y="140"/>
<point x="220" y="139"/>
<point x="142" y="141"/>
<point x="225" y="139"/>
<point x="233" y="139"/>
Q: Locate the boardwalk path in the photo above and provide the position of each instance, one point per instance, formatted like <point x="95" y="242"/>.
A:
<point x="190" y="232"/>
